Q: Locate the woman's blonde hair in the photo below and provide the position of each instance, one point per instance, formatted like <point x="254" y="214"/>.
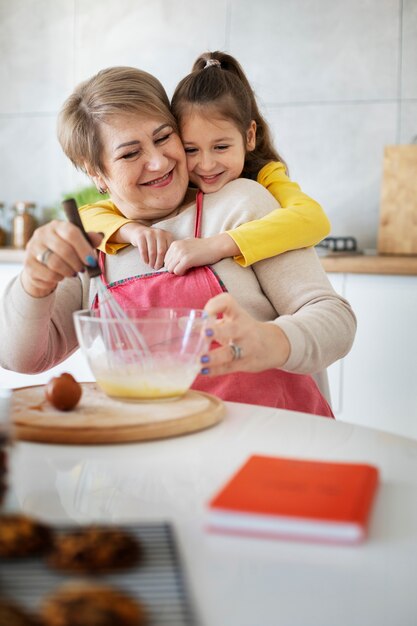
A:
<point x="113" y="91"/>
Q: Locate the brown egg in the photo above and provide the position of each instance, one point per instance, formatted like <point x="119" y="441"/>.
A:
<point x="63" y="392"/>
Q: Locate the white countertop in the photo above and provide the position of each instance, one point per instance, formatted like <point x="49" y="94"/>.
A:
<point x="241" y="581"/>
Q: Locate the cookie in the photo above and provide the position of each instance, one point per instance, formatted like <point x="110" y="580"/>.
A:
<point x="88" y="604"/>
<point x="12" y="615"/>
<point x="22" y="536"/>
<point x="94" y="550"/>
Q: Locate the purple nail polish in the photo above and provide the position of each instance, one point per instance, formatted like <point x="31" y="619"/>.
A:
<point x="205" y="370"/>
<point x="209" y="332"/>
<point x="205" y="359"/>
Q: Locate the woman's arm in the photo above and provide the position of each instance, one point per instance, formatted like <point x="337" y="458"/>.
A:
<point x="319" y="323"/>
<point x="289" y="297"/>
<point x="37" y="333"/>
<point x="36" y="327"/>
<point x="314" y="326"/>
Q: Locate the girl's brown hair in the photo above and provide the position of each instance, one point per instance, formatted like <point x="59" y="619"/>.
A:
<point x="113" y="91"/>
<point x="218" y="81"/>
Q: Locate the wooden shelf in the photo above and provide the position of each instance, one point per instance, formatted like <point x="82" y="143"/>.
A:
<point x="370" y="264"/>
<point x="11" y="255"/>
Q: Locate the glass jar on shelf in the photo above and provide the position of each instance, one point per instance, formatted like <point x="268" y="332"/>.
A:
<point x="23" y="223"/>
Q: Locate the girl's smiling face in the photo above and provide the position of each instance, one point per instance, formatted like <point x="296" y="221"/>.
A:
<point x="145" y="167"/>
<point x="215" y="149"/>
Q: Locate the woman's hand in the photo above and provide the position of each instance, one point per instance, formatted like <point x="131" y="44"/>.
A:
<point x="246" y="344"/>
<point x="56" y="251"/>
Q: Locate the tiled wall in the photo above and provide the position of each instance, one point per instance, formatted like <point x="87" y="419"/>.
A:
<point x="337" y="81"/>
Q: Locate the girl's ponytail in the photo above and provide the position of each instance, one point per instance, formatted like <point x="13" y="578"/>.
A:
<point x="224" y="81"/>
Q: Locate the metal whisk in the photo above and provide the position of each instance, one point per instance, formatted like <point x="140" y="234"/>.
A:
<point x="121" y="333"/>
<point x="121" y="336"/>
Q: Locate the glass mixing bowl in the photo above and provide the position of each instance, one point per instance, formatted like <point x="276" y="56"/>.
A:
<point x="146" y="355"/>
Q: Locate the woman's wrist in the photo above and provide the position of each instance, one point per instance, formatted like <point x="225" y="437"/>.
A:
<point x="33" y="290"/>
<point x="276" y="344"/>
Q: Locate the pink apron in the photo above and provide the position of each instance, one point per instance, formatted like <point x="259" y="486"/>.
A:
<point x="272" y="387"/>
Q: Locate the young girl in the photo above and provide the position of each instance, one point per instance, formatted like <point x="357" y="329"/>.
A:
<point x="225" y="137"/>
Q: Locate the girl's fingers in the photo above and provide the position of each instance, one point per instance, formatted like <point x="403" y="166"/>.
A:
<point x="153" y="245"/>
<point x="163" y="246"/>
<point x="143" y="249"/>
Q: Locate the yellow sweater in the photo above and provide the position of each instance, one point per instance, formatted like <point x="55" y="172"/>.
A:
<point x="303" y="223"/>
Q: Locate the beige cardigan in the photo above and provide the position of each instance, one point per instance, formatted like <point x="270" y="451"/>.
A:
<point x="290" y="290"/>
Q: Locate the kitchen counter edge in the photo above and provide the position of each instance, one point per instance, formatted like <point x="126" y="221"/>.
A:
<point x="342" y="264"/>
<point x="384" y="264"/>
<point x="11" y="255"/>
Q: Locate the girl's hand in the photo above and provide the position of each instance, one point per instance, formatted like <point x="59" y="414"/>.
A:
<point x="152" y="243"/>
<point x="56" y="251"/>
<point x="246" y="345"/>
<point x="184" y="254"/>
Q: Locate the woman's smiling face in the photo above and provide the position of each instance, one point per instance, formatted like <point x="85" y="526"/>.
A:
<point x="145" y="166"/>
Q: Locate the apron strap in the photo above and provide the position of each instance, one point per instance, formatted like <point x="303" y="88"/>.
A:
<point x="198" y="214"/>
<point x="197" y="233"/>
<point x="101" y="264"/>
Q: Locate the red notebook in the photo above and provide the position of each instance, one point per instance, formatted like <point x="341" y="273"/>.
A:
<point x="297" y="499"/>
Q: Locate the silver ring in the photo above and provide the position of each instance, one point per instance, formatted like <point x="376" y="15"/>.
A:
<point x="236" y="351"/>
<point x="43" y="257"/>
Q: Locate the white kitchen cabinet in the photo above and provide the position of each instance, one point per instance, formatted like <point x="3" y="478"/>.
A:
<point x="376" y="383"/>
<point x="76" y="364"/>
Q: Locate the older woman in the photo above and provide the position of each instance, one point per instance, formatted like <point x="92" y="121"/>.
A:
<point x="281" y="318"/>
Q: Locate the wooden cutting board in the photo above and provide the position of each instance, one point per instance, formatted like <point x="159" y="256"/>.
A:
<point x="99" y="419"/>
<point x="397" y="232"/>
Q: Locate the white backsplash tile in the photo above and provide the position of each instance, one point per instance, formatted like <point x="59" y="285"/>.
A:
<point x="408" y="122"/>
<point x="335" y="153"/>
<point x="333" y="64"/>
<point x="162" y="37"/>
<point x="32" y="164"/>
<point x="409" y="50"/>
<point x="302" y="51"/>
<point x="36" y="66"/>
